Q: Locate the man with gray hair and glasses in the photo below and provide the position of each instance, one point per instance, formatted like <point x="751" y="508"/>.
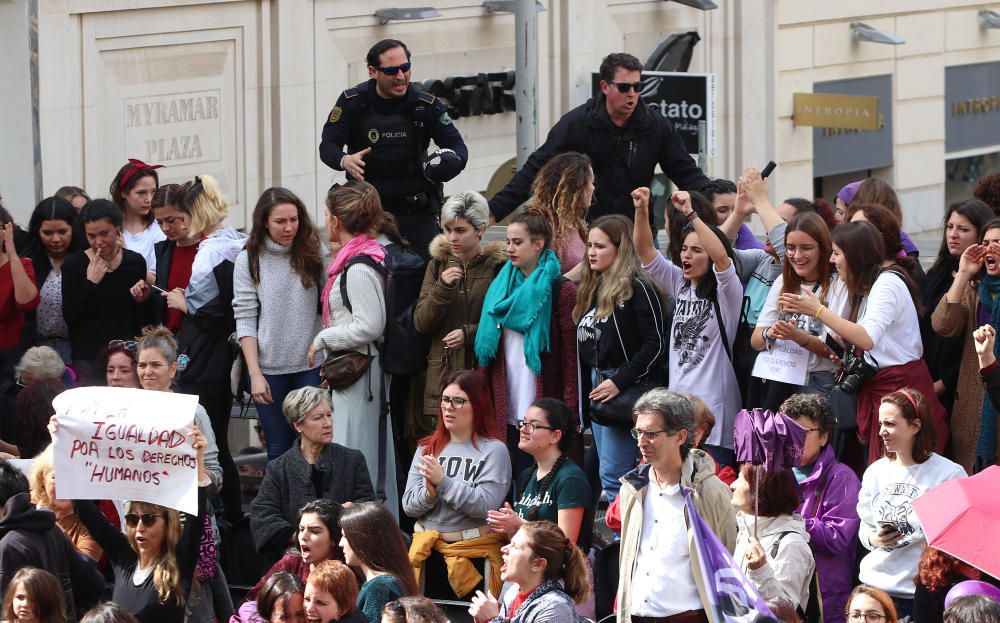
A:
<point x="658" y="583"/>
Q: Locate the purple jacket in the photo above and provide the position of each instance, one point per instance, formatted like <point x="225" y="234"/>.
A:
<point x="831" y="515"/>
<point x="746" y="240"/>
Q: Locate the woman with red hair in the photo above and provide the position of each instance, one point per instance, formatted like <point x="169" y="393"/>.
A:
<point x="458" y="473"/>
<point x="937" y="573"/>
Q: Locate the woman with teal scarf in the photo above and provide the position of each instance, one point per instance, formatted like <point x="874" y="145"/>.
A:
<point x="526" y="338"/>
<point x="973" y="300"/>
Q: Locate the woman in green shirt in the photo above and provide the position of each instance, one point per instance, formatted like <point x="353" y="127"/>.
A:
<point x="554" y="488"/>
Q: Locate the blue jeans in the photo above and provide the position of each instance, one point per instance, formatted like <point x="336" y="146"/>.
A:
<point x="617" y="453"/>
<point x="277" y="433"/>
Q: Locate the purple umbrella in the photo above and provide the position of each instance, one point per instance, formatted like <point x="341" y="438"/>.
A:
<point x="770" y="439"/>
<point x="767" y="438"/>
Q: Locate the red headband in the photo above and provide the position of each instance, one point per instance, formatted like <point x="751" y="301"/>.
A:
<point x="913" y="402"/>
<point x="137" y="165"/>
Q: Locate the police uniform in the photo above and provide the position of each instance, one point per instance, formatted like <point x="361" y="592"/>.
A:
<point x="399" y="131"/>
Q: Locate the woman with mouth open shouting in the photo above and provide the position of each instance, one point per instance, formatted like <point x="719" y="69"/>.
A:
<point x="708" y="294"/>
<point x="317" y="541"/>
<point x="971" y="301"/>
<point x="154" y="561"/>
<point x="544" y="574"/>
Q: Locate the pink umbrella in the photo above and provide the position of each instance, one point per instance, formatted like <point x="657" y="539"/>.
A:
<point x="962" y="517"/>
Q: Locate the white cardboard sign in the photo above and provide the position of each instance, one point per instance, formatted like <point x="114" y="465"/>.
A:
<point x="129" y="444"/>
<point x="786" y="362"/>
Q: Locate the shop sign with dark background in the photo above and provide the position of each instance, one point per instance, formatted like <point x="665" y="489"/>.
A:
<point x="971" y="106"/>
<point x="837" y="150"/>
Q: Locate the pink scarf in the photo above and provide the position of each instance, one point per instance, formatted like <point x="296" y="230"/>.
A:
<point x="362" y="243"/>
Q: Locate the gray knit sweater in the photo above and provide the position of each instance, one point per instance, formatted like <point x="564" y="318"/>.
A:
<point x="279" y="312"/>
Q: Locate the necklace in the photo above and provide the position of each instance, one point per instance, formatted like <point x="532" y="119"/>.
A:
<point x="110" y="262"/>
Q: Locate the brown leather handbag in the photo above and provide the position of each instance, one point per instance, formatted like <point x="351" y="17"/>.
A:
<point x="343" y="368"/>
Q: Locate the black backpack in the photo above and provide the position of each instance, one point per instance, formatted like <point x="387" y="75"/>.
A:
<point x="404" y="349"/>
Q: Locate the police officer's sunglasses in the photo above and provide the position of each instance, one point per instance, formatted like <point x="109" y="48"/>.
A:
<point x="625" y="87"/>
<point x="392" y="70"/>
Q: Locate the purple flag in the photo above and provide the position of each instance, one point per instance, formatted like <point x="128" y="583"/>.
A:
<point x="733" y="598"/>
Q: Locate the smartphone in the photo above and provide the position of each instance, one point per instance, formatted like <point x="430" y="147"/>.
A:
<point x="768" y="168"/>
<point x="886" y="527"/>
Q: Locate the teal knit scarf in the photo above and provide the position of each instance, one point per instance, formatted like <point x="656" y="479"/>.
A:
<point x="519" y="304"/>
<point x="989" y="297"/>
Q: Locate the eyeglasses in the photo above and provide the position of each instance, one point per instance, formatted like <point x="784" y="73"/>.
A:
<point x="868" y="617"/>
<point x="392" y="70"/>
<point x="132" y="519"/>
<point x="531" y="427"/>
<point x="625" y="87"/>
<point x="453" y="401"/>
<point x="647" y="435"/>
<point x="129" y="345"/>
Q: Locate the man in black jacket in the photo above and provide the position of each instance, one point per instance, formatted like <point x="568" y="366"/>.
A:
<point x="624" y="138"/>
<point x="29" y="537"/>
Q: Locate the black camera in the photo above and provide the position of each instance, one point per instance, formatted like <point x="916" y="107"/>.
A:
<point x="855" y="371"/>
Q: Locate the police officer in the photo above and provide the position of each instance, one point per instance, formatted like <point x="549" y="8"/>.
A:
<point x="387" y="126"/>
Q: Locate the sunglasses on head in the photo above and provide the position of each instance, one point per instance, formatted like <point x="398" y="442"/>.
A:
<point x="625" y="87"/>
<point x="392" y="70"/>
<point x="148" y="519"/>
<point x="129" y="345"/>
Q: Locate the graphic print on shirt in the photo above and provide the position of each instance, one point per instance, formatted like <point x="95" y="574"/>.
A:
<point x="691" y="341"/>
<point x="461" y="467"/>
<point x="589" y="329"/>
<point x="893" y="504"/>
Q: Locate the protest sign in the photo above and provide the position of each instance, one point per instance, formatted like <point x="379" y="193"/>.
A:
<point x="786" y="361"/>
<point x="128" y="444"/>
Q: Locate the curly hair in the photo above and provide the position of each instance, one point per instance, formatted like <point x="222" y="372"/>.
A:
<point x="558" y="194"/>
<point x="988" y="191"/>
<point x="812" y="406"/>
<point x="937" y="570"/>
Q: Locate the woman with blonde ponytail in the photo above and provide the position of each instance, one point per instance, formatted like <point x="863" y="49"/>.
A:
<point x="354" y="219"/>
<point x="545" y="575"/>
<point x="207" y="305"/>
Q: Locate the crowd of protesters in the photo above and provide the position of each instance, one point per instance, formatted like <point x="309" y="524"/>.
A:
<point x="571" y="374"/>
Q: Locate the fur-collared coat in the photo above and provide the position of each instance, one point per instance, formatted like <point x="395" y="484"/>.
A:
<point x="442" y="308"/>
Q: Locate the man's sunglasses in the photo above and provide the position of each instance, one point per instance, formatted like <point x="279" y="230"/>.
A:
<point x="392" y="70"/>
<point x="148" y="519"/>
<point x="625" y="87"/>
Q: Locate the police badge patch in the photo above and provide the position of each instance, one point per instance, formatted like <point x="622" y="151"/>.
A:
<point x="335" y="114"/>
<point x="373" y="135"/>
<point x="444" y="119"/>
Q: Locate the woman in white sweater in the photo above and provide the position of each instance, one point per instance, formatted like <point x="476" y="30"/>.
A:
<point x="889" y="527"/>
<point x="276" y="283"/>
<point x="354" y="216"/>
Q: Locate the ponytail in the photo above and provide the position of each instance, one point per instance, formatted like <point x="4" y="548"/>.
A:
<point x="359" y="209"/>
<point x="202" y="199"/>
<point x="563" y="560"/>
